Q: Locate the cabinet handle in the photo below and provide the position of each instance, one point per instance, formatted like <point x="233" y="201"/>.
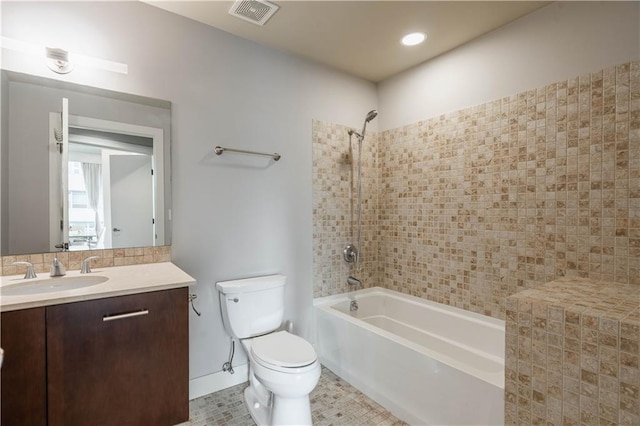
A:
<point x="123" y="316"/>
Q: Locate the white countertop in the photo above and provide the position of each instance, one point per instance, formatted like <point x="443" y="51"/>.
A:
<point x="122" y="280"/>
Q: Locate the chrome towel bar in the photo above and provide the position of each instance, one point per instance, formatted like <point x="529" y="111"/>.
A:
<point x="219" y="150"/>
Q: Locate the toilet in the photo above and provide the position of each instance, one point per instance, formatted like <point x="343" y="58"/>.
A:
<point x="283" y="367"/>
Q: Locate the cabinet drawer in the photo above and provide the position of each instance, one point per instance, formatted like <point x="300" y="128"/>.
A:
<point x="119" y="361"/>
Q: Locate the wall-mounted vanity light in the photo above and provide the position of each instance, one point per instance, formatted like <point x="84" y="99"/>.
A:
<point x="60" y="60"/>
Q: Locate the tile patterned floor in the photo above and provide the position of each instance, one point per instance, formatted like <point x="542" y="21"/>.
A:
<point x="333" y="402"/>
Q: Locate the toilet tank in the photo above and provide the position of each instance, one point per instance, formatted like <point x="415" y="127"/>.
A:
<point x="252" y="306"/>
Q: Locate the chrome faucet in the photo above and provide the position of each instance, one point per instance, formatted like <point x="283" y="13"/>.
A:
<point x="30" y="272"/>
<point x="351" y="280"/>
<point x="86" y="264"/>
<point x="57" y="268"/>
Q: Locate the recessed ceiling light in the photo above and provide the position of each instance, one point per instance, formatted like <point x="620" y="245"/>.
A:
<point x="413" y="39"/>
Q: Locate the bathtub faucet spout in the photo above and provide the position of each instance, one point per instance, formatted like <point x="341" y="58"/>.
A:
<point x="351" y="280"/>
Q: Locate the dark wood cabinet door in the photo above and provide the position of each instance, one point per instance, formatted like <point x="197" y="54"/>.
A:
<point x="23" y="389"/>
<point x="119" y="361"/>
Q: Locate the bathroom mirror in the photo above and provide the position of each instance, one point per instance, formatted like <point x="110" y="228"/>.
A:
<point x="81" y="167"/>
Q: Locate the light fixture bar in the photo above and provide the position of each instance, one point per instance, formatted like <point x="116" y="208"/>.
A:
<point x="104" y="64"/>
<point x="73" y="58"/>
<point x="21" y="46"/>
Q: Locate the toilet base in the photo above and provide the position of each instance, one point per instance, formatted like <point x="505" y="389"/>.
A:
<point x="291" y="411"/>
<point x="281" y="411"/>
<point x="260" y="412"/>
<point x="279" y="398"/>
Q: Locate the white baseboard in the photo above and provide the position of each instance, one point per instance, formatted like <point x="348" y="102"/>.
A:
<point x="210" y="383"/>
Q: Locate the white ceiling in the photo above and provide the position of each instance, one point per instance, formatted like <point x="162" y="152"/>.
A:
<point x="362" y="37"/>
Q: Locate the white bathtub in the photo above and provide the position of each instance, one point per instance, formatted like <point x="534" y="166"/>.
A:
<point x="425" y="362"/>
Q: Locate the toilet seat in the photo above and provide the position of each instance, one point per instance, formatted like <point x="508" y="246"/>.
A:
<point x="283" y="351"/>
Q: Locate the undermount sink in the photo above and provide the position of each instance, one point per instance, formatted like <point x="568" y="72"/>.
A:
<point x="50" y="285"/>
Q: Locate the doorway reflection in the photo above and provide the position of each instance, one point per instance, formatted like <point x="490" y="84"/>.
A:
<point x="110" y="191"/>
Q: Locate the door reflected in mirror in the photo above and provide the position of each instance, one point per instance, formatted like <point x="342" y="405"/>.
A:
<point x="111" y="193"/>
<point x="110" y="196"/>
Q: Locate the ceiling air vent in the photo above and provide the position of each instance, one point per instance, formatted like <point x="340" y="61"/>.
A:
<point x="255" y="11"/>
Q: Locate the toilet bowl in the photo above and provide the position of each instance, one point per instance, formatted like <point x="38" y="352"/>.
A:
<point x="288" y="368"/>
<point x="283" y="367"/>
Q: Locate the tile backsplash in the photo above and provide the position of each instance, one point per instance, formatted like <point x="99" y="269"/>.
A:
<point x="472" y="206"/>
<point x="72" y="259"/>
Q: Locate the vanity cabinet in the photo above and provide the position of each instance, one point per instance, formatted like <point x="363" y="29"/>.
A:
<point x="115" y="361"/>
<point x="23" y="375"/>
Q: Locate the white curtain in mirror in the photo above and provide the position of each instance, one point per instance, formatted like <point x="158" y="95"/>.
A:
<point x="92" y="174"/>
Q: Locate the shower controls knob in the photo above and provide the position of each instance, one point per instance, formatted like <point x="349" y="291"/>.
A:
<point x="350" y="253"/>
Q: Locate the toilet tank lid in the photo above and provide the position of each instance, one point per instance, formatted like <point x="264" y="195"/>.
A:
<point x="246" y="285"/>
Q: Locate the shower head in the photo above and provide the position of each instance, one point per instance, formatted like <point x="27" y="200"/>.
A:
<point x="370" y="116"/>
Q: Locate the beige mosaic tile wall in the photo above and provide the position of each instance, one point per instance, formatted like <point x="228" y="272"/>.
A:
<point x="479" y="204"/>
<point x="334" y="208"/>
<point x="72" y="259"/>
<point x="572" y="354"/>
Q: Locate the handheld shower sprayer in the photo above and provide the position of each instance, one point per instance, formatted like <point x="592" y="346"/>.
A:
<point x="370" y="116"/>
<point x="351" y="253"/>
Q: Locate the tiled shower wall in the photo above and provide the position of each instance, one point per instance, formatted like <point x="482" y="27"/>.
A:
<point x="571" y="352"/>
<point x="335" y="157"/>
<point x="481" y="203"/>
<point x="478" y="204"/>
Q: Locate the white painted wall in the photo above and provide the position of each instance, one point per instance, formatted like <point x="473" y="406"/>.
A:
<point x="559" y="41"/>
<point x="233" y="216"/>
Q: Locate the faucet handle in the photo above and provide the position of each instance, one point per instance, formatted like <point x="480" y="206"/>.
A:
<point x="57" y="268"/>
<point x="86" y="264"/>
<point x="30" y="272"/>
